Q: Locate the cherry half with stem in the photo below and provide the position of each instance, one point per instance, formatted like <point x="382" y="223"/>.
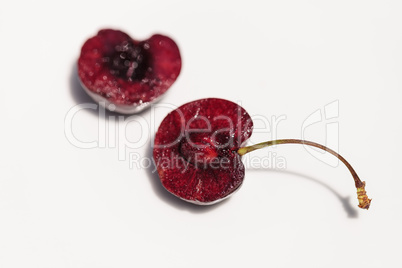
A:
<point x="198" y="149"/>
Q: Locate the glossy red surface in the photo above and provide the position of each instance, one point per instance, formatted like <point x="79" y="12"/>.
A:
<point x="126" y="71"/>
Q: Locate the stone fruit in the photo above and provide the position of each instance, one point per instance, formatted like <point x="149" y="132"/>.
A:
<point x="198" y="150"/>
<point x="116" y="69"/>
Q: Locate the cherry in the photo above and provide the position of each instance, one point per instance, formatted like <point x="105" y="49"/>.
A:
<point x="116" y="69"/>
<point x="198" y="150"/>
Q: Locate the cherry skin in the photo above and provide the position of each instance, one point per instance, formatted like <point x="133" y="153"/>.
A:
<point x="115" y="69"/>
<point x="198" y="149"/>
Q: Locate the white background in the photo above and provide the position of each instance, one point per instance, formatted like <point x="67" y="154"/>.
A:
<point x="63" y="206"/>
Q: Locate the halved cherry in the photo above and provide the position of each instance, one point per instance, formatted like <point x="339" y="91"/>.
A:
<point x="116" y="69"/>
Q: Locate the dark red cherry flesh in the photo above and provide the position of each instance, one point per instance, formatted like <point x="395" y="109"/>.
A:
<point x="195" y="150"/>
<point x="116" y="69"/>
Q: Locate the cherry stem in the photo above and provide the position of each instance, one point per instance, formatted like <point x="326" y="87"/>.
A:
<point x="364" y="201"/>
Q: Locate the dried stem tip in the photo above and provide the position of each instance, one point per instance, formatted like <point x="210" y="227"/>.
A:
<point x="364" y="201"/>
